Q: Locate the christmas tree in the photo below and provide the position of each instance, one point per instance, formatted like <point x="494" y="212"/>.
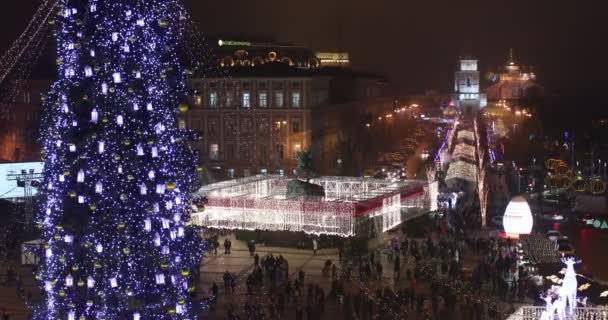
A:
<point x="118" y="170"/>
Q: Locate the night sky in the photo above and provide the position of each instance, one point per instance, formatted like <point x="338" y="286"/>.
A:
<point x="417" y="43"/>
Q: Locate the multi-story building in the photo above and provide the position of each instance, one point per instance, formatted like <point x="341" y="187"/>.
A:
<point x="254" y="120"/>
<point x="20" y="122"/>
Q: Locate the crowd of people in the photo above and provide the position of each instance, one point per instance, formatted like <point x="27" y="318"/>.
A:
<point x="427" y="282"/>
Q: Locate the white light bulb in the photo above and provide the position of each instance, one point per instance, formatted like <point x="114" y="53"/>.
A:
<point x="157" y="240"/>
<point x="98" y="187"/>
<point x="94" y="115"/>
<point x="90" y="282"/>
<point x="160" y="278"/>
<point x="151" y="174"/>
<point x="147" y="224"/>
<point x="101" y="147"/>
<point x="99" y="248"/>
<point x="116" y="77"/>
<point x="119" y="120"/>
<point x="80" y="177"/>
<point x="81" y="199"/>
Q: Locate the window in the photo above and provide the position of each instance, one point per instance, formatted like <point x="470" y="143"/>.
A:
<point x="213" y="100"/>
<point x="263" y="100"/>
<point x="182" y="124"/>
<point x="278" y="100"/>
<point x="295" y="149"/>
<point x="245" y="152"/>
<point x="198" y="100"/>
<point x="280" y="150"/>
<point x="264" y="171"/>
<point x="229" y="99"/>
<point x="295" y="100"/>
<point x="246" y="100"/>
<point x="229" y="154"/>
<point x="468" y="82"/>
<point x="230" y="173"/>
<point x="295" y="126"/>
<point x="246" y="172"/>
<point x="214" y="151"/>
<point x="263" y="153"/>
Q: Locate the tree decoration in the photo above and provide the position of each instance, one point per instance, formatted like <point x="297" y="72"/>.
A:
<point x="94" y="128"/>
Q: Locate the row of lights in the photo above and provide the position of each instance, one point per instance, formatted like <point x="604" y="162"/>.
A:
<point x="398" y="110"/>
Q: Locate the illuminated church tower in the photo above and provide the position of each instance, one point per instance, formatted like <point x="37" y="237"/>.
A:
<point x="468" y="97"/>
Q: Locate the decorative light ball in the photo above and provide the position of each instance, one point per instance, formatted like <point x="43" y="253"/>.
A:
<point x="183" y="108"/>
<point x="200" y="168"/>
<point x="170" y="186"/>
<point x="518" y="217"/>
<point x="126" y="251"/>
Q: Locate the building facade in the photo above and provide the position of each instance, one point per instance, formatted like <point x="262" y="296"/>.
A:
<point x="255" y="120"/>
<point x="512" y="83"/>
<point x="20" y="123"/>
<point x="468" y="96"/>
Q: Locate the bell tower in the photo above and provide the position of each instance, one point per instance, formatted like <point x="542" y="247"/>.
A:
<point x="468" y="97"/>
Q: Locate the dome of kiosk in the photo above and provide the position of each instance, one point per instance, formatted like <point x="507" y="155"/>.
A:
<point x="518" y="217"/>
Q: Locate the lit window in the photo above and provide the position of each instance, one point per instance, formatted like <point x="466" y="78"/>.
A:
<point x="278" y="100"/>
<point x="213" y="100"/>
<point x="246" y="172"/>
<point x="230" y="173"/>
<point x="182" y="124"/>
<point x="198" y="100"/>
<point x="214" y="151"/>
<point x="246" y="100"/>
<point x="295" y="99"/>
<point x="263" y="103"/>
<point x="264" y="171"/>
<point x="295" y="126"/>
<point x="296" y="148"/>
